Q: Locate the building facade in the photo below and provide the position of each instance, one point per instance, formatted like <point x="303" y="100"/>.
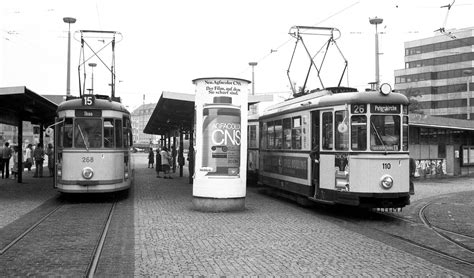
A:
<point x="438" y="74"/>
<point x="140" y="117"/>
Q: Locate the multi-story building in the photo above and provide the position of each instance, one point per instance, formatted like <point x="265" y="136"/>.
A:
<point x="438" y="74"/>
<point x="140" y="117"/>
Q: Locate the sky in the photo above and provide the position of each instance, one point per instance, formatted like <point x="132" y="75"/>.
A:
<point x="166" y="44"/>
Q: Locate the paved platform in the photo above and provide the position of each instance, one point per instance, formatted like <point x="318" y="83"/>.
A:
<point x="268" y="238"/>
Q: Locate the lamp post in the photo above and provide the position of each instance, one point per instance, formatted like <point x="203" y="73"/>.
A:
<point x="376" y="21"/>
<point x="468" y="73"/>
<point x="92" y="65"/>
<point x="69" y="21"/>
<point x="253" y="64"/>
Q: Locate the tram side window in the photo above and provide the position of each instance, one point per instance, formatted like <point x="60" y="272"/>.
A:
<point x="359" y="133"/>
<point x="88" y="133"/>
<point x="278" y="134"/>
<point x="68" y="130"/>
<point x="118" y="133"/>
<point x="252" y="134"/>
<point x="342" y="131"/>
<point x="327" y="131"/>
<point x="270" y="136"/>
<point x="385" y="133"/>
<point x="296" y="133"/>
<point x="263" y="135"/>
<point x="405" y="133"/>
<point x="287" y="133"/>
<point x="126" y="132"/>
<point x="109" y="133"/>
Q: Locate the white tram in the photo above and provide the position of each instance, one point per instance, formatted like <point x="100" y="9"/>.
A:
<point x="338" y="146"/>
<point x="93" y="140"/>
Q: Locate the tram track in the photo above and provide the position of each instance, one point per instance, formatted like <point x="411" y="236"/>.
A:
<point x="70" y="236"/>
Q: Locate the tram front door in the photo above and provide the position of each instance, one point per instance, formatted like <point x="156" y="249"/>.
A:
<point x="314" y="154"/>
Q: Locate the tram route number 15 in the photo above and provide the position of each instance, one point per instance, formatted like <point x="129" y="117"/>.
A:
<point x="88" y="100"/>
<point x="386" y="166"/>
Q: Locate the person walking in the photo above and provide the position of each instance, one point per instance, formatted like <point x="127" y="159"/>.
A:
<point x="151" y="158"/>
<point x="165" y="163"/>
<point x="6" y="154"/>
<point x="29" y="157"/>
<point x="158" y="163"/>
<point x="50" y="154"/>
<point x="38" y="155"/>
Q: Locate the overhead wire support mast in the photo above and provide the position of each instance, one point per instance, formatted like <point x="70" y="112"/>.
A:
<point x="297" y="32"/>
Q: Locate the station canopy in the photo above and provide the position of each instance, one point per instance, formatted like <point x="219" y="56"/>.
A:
<point x="175" y="111"/>
<point x="20" y="103"/>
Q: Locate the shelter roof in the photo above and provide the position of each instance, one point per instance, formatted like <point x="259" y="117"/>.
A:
<point x="440" y="122"/>
<point x="21" y="103"/>
<point x="176" y="111"/>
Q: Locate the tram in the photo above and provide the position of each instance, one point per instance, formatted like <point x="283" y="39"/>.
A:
<point x="93" y="140"/>
<point x="339" y="146"/>
<point x="93" y="133"/>
<point x="336" y="145"/>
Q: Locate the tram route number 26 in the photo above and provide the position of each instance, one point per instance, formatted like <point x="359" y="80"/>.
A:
<point x="87" y="159"/>
<point x="386" y="166"/>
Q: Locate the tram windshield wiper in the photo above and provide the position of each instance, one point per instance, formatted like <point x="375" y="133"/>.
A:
<point x="83" y="138"/>
<point x="378" y="135"/>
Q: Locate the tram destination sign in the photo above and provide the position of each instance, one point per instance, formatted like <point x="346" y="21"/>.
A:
<point x="385" y="108"/>
<point x="88" y="113"/>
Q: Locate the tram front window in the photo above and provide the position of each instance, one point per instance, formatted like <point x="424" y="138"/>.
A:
<point x="108" y="133"/>
<point x="87" y="133"/>
<point x="359" y="133"/>
<point x="385" y="133"/>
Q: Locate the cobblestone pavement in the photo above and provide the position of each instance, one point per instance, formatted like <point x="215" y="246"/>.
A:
<point x="268" y="238"/>
<point x="17" y="199"/>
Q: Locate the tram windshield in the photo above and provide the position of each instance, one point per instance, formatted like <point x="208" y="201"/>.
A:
<point x="385" y="132"/>
<point x="88" y="133"/>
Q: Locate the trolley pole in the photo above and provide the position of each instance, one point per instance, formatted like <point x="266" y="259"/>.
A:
<point x="253" y="64"/>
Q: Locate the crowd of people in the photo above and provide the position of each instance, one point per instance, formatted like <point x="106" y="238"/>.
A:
<point x="165" y="161"/>
<point x="31" y="157"/>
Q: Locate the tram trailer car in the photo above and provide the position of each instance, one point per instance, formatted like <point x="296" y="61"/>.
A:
<point x="93" y="142"/>
<point x="338" y="146"/>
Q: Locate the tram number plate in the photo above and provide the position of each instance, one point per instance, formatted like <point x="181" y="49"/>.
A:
<point x="87" y="159"/>
<point x="386" y="166"/>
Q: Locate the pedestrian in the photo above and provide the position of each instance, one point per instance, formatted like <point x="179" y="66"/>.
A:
<point x="165" y="163"/>
<point x="6" y="154"/>
<point x="29" y="157"/>
<point x="15" y="162"/>
<point x="50" y="154"/>
<point x="151" y="158"/>
<point x="38" y="155"/>
<point x="158" y="163"/>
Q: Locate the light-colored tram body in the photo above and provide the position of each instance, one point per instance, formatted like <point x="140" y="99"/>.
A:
<point x="338" y="146"/>
<point x="93" y="139"/>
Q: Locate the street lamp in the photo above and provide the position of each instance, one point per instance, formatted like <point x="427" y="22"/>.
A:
<point x="69" y="21"/>
<point x="92" y="65"/>
<point x="253" y="64"/>
<point x="468" y="73"/>
<point x="376" y="21"/>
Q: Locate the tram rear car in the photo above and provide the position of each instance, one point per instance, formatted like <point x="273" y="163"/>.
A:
<point x="338" y="147"/>
<point x="93" y="140"/>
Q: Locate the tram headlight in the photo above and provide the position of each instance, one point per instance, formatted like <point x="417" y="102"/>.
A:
<point x="87" y="173"/>
<point x="386" y="182"/>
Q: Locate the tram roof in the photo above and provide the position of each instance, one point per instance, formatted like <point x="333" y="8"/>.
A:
<point x="327" y="98"/>
<point x="100" y="103"/>
<point x="176" y="110"/>
<point x="22" y="103"/>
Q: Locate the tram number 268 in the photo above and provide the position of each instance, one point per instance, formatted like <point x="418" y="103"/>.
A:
<point x="87" y="159"/>
<point x="386" y="166"/>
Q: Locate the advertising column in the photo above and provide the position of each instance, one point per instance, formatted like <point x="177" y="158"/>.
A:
<point x="221" y="144"/>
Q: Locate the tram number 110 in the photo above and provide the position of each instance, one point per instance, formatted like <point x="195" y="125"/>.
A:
<point x="386" y="166"/>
